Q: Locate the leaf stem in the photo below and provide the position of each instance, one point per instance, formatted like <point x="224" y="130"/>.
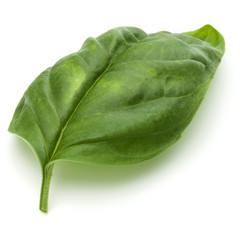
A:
<point x="46" y="179"/>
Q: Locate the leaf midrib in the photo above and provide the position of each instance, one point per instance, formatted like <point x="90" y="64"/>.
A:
<point x="95" y="82"/>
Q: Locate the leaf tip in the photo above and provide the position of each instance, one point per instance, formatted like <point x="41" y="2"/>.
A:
<point x="209" y="34"/>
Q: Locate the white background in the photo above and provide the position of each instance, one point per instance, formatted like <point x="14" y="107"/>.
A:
<point x="190" y="192"/>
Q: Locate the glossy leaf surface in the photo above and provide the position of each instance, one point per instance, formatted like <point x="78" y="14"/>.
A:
<point x="122" y="98"/>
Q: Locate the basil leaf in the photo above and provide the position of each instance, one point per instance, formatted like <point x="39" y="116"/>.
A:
<point x="124" y="97"/>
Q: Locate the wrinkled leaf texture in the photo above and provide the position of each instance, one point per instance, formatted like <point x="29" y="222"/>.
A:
<point x="124" y="97"/>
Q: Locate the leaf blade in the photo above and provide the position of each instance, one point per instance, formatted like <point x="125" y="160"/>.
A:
<point x="123" y="98"/>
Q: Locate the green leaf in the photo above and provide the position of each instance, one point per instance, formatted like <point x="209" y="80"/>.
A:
<point x="124" y="97"/>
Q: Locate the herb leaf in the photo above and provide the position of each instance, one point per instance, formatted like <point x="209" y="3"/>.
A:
<point x="124" y="97"/>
